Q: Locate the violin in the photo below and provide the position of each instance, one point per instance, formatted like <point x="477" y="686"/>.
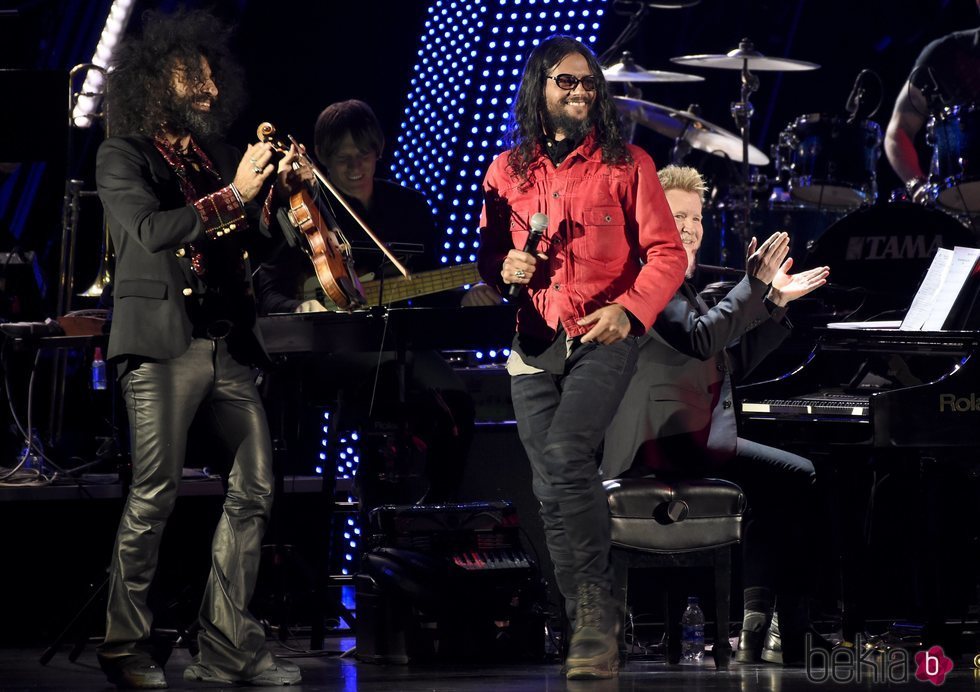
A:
<point x="328" y="249"/>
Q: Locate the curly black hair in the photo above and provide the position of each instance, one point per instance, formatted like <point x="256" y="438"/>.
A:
<point x="140" y="98"/>
<point x="531" y="109"/>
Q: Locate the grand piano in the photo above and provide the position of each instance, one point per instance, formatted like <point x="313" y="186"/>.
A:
<point x="885" y="389"/>
<point x="891" y="420"/>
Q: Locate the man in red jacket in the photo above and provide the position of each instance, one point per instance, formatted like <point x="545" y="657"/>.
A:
<point x="610" y="259"/>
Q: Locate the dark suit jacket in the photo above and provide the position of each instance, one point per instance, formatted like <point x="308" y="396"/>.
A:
<point x="681" y="397"/>
<point x="149" y="220"/>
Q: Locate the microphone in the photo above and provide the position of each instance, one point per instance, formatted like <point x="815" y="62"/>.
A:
<point x="539" y="222"/>
<point x="854" y="98"/>
<point x="932" y="92"/>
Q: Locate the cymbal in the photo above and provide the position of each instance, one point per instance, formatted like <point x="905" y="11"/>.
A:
<point x="693" y="129"/>
<point x="625" y="72"/>
<point x="745" y="53"/>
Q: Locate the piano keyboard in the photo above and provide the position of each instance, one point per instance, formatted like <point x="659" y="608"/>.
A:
<point x="850" y="406"/>
<point x="481" y="560"/>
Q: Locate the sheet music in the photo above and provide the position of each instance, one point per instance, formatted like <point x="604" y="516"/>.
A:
<point x="926" y="295"/>
<point x="934" y="300"/>
<point x="964" y="260"/>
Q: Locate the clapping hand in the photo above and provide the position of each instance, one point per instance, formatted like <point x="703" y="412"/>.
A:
<point x="787" y="287"/>
<point x="763" y="262"/>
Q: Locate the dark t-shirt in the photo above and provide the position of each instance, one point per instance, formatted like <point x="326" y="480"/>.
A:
<point x="400" y="217"/>
<point x="949" y="67"/>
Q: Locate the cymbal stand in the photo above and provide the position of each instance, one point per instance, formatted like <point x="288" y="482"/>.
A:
<point x="628" y="33"/>
<point x="742" y="112"/>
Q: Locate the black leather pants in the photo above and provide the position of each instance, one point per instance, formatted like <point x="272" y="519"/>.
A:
<point x="162" y="399"/>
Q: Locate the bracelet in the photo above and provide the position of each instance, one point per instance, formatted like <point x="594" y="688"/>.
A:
<point x="238" y="195"/>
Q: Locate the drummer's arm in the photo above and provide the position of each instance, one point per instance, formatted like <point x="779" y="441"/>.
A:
<point x="907" y="120"/>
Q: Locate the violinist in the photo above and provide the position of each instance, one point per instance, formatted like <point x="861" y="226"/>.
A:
<point x="349" y="143"/>
<point x="179" y="204"/>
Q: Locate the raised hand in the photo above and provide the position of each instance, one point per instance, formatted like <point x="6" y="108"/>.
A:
<point x="787" y="287"/>
<point x="763" y="262"/>
<point x="253" y="169"/>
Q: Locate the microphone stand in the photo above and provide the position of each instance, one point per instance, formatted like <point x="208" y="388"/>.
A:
<point x="742" y="112"/>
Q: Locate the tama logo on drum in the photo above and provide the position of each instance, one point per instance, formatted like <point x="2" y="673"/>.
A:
<point x="887" y="247"/>
<point x="951" y="402"/>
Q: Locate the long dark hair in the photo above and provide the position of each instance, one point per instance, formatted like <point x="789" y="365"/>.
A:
<point x="531" y="110"/>
<point x="140" y="95"/>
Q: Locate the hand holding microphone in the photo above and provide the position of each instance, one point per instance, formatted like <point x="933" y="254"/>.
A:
<point x="519" y="264"/>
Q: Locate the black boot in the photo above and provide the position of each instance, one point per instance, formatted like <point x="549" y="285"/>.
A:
<point x="772" y="649"/>
<point x="750" y="646"/>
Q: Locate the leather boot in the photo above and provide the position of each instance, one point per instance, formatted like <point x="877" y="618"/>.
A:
<point x="593" y="652"/>
<point x="772" y="649"/>
<point x="750" y="644"/>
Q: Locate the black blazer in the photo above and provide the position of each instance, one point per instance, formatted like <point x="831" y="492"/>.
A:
<point x="681" y="397"/>
<point x="149" y="220"/>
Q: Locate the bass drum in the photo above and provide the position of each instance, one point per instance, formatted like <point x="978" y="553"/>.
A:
<point x="772" y="212"/>
<point x="878" y="256"/>
<point x="804" y="224"/>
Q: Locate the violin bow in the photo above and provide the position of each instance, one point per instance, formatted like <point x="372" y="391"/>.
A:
<point x="325" y="182"/>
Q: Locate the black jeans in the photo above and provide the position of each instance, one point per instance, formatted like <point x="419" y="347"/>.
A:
<point x="561" y="420"/>
<point x="779" y="487"/>
<point x="162" y="398"/>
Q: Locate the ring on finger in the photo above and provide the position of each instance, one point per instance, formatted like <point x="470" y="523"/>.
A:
<point x="519" y="274"/>
<point x="256" y="170"/>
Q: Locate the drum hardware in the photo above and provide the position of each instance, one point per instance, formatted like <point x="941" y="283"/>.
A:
<point x="858" y="93"/>
<point x="688" y="127"/>
<point x="745" y="58"/>
<point x="636" y="10"/>
<point x="626" y="70"/>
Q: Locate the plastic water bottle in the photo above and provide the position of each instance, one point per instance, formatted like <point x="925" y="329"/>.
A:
<point x="98" y="370"/>
<point x="29" y="454"/>
<point x="692" y="632"/>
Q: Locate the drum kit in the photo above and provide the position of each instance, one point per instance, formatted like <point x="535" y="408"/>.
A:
<point x="825" y="164"/>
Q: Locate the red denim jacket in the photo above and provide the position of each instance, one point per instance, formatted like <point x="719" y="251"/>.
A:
<point x="603" y="222"/>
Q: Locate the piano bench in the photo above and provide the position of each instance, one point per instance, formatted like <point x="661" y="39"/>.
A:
<point x="677" y="522"/>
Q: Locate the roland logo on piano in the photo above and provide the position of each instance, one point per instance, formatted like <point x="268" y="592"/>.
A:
<point x="885" y="247"/>
<point x="951" y="403"/>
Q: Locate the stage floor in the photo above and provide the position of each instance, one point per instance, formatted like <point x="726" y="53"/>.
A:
<point x="334" y="671"/>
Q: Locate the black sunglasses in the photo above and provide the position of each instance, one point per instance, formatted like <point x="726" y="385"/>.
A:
<point x="569" y="81"/>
